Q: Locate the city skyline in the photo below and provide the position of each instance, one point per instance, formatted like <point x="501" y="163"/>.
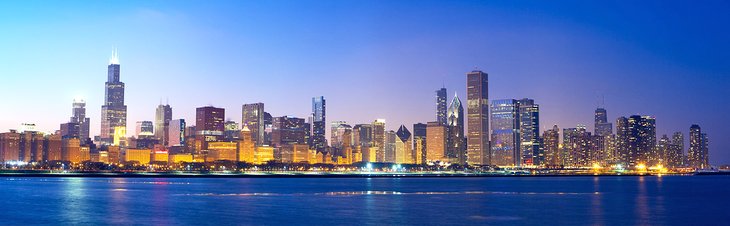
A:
<point x="557" y="107"/>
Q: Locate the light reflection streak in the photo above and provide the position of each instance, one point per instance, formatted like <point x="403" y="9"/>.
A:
<point x="395" y="193"/>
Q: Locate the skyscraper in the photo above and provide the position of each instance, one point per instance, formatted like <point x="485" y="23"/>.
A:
<point x="176" y="131"/>
<point x="697" y="152"/>
<point x="288" y="130"/>
<point x="601" y="125"/>
<point x="113" y="112"/>
<point x="551" y="145"/>
<point x="505" y="133"/>
<point x="622" y="141"/>
<point x="390" y="138"/>
<point x="642" y="139"/>
<point x="163" y="115"/>
<point x="477" y="104"/>
<point x="231" y="132"/>
<point x="529" y="120"/>
<point x="379" y="140"/>
<point x="335" y="138"/>
<point x="319" y="122"/>
<point x="252" y="116"/>
<point x="456" y="149"/>
<point x="362" y="135"/>
<point x="441" y="116"/>
<point x="404" y="153"/>
<point x="78" y="116"/>
<point x="577" y="145"/>
<point x="436" y="134"/>
<point x="209" y="126"/>
<point x="419" y="142"/>
<point x="144" y="128"/>
<point x="677" y="149"/>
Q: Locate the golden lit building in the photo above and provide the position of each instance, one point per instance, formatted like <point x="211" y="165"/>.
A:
<point x="372" y="152"/>
<point x="246" y="147"/>
<point x="71" y="150"/>
<point x="120" y="135"/>
<point x="114" y="154"/>
<point x="53" y="147"/>
<point x="263" y="154"/>
<point x="178" y="158"/>
<point x="139" y="155"/>
<point x="292" y="153"/>
<point x="435" y="141"/>
<point x="160" y="156"/>
<point x="403" y="147"/>
<point x="84" y="154"/>
<point x="9" y="146"/>
<point x="219" y="150"/>
<point x="103" y="157"/>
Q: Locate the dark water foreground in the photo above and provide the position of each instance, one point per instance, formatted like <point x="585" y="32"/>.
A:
<point x="649" y="200"/>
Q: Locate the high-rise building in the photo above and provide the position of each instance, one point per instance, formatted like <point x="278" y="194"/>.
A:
<point x="319" y="121"/>
<point x="246" y="147"/>
<point x="404" y="153"/>
<point x="144" y="128"/>
<point x="9" y="146"/>
<point x="362" y="136"/>
<point x="176" y="131"/>
<point x="113" y="112"/>
<point x="252" y="116"/>
<point x="335" y="138"/>
<point x="268" y="128"/>
<point x="288" y="130"/>
<point x="209" y="126"/>
<point x="622" y="141"/>
<point x="601" y="125"/>
<point x="231" y="131"/>
<point x="435" y="141"/>
<point x="78" y="116"/>
<point x="530" y="141"/>
<point x="697" y="153"/>
<point x="163" y="115"/>
<point x="379" y="140"/>
<point x="677" y="150"/>
<point x="551" y="145"/>
<point x="477" y="104"/>
<point x="341" y="137"/>
<point x="390" y="138"/>
<point x="642" y="139"/>
<point x="456" y="149"/>
<point x="505" y="123"/>
<point x="52" y="147"/>
<point x="577" y="147"/>
<point x="419" y="142"/>
<point x="441" y="116"/>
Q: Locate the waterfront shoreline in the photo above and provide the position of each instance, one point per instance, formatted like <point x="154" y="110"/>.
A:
<point x="315" y="175"/>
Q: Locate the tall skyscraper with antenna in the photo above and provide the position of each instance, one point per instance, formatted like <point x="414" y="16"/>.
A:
<point x="113" y="112"/>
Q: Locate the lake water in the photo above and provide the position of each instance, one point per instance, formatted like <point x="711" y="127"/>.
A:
<point x="650" y="200"/>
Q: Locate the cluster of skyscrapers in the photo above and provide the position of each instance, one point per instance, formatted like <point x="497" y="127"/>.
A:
<point x="501" y="133"/>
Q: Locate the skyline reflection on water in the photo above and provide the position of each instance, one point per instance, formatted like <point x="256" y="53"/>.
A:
<point x="650" y="200"/>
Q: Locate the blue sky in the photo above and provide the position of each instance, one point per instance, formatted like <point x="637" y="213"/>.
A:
<point x="371" y="59"/>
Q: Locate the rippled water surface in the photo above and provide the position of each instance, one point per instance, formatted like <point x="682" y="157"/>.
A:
<point x="668" y="200"/>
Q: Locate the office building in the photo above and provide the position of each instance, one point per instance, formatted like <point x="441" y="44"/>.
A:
<point x="252" y="116"/>
<point x="319" y="121"/>
<point x="441" y="109"/>
<point x="419" y="142"/>
<point x="456" y="150"/>
<point x="505" y="123"/>
<point x="163" y="116"/>
<point x="435" y="141"/>
<point x="113" y="112"/>
<point x="477" y="94"/>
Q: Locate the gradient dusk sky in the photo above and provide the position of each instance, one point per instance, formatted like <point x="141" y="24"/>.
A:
<point x="371" y="59"/>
